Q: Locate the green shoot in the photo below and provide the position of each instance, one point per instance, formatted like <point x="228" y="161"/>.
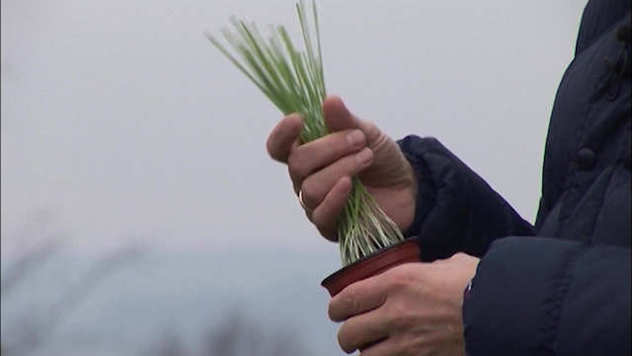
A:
<point x="294" y="81"/>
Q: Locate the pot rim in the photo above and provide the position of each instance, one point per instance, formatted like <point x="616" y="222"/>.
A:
<point x="373" y="264"/>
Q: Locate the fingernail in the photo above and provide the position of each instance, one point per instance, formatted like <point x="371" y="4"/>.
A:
<point x="355" y="138"/>
<point x="364" y="156"/>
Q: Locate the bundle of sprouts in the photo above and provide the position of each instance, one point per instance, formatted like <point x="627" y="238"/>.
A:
<point x="293" y="80"/>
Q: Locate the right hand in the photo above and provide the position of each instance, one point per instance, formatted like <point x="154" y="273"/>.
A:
<point x="322" y="169"/>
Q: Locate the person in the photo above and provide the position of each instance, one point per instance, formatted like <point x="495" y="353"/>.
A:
<point x="489" y="282"/>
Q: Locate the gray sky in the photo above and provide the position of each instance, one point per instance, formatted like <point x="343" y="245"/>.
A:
<point x="121" y="123"/>
<point x="121" y="120"/>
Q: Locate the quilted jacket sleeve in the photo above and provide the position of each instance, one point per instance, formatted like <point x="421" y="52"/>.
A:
<point x="539" y="296"/>
<point x="456" y="209"/>
<point x="531" y="295"/>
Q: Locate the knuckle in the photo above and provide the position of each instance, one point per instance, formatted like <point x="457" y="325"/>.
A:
<point x="398" y="277"/>
<point x="334" y="311"/>
<point x="369" y="126"/>
<point x="309" y="215"/>
<point x="349" y="165"/>
<point x="274" y="149"/>
<point x="331" y="311"/>
<point x="279" y="140"/>
<point x="371" y="130"/>
<point x="351" y="140"/>
<point x="296" y="166"/>
<point x="345" y="339"/>
<point x="310" y="192"/>
<point x="270" y="147"/>
<point x="362" y="160"/>
<point x="324" y="226"/>
<point x="317" y="219"/>
<point x="398" y="316"/>
<point x="328" y="210"/>
<point x="342" y="340"/>
<point x="343" y="304"/>
<point x="349" y="299"/>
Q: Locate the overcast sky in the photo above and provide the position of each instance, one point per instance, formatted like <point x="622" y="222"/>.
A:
<point x="122" y="122"/>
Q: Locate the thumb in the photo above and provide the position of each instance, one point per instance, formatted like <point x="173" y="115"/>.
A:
<point x="337" y="116"/>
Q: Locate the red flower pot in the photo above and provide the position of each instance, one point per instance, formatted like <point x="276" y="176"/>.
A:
<point x="403" y="252"/>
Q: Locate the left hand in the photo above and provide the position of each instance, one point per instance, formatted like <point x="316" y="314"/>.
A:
<point x="322" y="169"/>
<point x="411" y="309"/>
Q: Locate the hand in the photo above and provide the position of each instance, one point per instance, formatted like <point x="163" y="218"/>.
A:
<point x="322" y="169"/>
<point x="411" y="309"/>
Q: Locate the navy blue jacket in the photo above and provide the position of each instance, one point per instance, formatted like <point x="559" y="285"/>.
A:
<point x="563" y="286"/>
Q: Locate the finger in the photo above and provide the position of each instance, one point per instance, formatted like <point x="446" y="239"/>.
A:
<point x="337" y="116"/>
<point x="312" y="156"/>
<point x="362" y="331"/>
<point x="325" y="216"/>
<point x="283" y="136"/>
<point x="316" y="186"/>
<point x="359" y="297"/>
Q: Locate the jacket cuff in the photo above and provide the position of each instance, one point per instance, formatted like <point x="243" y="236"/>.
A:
<point x="456" y="210"/>
<point x="431" y="164"/>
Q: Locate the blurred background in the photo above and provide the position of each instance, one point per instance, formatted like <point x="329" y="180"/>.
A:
<point x="140" y="212"/>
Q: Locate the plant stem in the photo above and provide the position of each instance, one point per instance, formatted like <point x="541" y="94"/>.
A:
<point x="294" y="81"/>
